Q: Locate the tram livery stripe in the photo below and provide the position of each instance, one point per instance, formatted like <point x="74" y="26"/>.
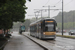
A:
<point x="49" y="33"/>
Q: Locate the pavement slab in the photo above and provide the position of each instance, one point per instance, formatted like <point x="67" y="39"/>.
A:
<point x="20" y="42"/>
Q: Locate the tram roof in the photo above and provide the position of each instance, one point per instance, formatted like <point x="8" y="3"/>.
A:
<point x="40" y="20"/>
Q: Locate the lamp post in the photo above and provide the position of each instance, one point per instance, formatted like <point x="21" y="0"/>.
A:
<point x="73" y="19"/>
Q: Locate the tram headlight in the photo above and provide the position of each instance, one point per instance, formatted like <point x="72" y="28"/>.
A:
<point x="43" y="33"/>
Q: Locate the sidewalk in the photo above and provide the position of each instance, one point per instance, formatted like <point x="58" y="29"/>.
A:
<point x="20" y="42"/>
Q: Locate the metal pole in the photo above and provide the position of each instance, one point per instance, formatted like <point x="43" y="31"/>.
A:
<point x="73" y="19"/>
<point x="35" y="16"/>
<point x="49" y="11"/>
<point x="62" y="18"/>
<point x="41" y="14"/>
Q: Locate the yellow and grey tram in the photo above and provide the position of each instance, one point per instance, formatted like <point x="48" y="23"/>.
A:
<point x="44" y="29"/>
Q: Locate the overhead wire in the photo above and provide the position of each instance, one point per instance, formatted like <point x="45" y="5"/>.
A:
<point x="54" y="4"/>
<point x="57" y="2"/>
<point x="47" y="2"/>
<point x="67" y="3"/>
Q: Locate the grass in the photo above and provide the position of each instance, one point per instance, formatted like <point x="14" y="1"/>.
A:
<point x="66" y="36"/>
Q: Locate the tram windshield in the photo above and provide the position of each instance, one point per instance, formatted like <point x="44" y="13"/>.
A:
<point x="22" y="27"/>
<point x="49" y="27"/>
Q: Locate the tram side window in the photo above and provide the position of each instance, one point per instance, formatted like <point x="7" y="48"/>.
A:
<point x="31" y="29"/>
<point x="34" y="28"/>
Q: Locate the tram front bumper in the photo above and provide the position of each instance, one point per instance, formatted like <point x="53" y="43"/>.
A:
<point x="49" y="36"/>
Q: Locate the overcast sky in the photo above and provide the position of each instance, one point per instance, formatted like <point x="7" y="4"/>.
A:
<point x="38" y="4"/>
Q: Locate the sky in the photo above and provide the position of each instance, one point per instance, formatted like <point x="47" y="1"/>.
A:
<point x="38" y="4"/>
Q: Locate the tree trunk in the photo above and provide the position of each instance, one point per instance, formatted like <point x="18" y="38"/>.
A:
<point x="4" y="31"/>
<point x="7" y="31"/>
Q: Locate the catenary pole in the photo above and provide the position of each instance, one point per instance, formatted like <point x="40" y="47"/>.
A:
<point x="62" y="19"/>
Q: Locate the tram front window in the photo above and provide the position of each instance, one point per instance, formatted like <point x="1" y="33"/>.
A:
<point x="22" y="28"/>
<point x="49" y="27"/>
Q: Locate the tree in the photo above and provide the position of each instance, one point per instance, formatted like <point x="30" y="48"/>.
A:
<point x="69" y="22"/>
<point x="11" y="11"/>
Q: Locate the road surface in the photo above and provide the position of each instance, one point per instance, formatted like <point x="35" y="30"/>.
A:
<point x="64" y="34"/>
<point x="59" y="43"/>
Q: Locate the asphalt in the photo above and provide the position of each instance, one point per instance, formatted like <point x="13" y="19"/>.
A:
<point x="44" y="44"/>
<point x="20" y="42"/>
<point x="58" y="44"/>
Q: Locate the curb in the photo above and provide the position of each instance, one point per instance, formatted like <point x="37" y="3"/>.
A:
<point x="65" y="36"/>
<point x="2" y="47"/>
<point x="37" y="43"/>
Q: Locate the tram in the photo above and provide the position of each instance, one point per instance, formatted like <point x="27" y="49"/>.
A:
<point x="22" y="29"/>
<point x="44" y="29"/>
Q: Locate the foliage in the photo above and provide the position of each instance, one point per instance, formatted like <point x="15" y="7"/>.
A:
<point x="11" y="11"/>
<point x="69" y="20"/>
<point x="68" y="25"/>
<point x="26" y="24"/>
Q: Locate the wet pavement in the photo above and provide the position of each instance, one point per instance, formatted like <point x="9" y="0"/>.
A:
<point x="20" y="42"/>
<point x="65" y="34"/>
<point x="66" y="43"/>
<point x="59" y="43"/>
